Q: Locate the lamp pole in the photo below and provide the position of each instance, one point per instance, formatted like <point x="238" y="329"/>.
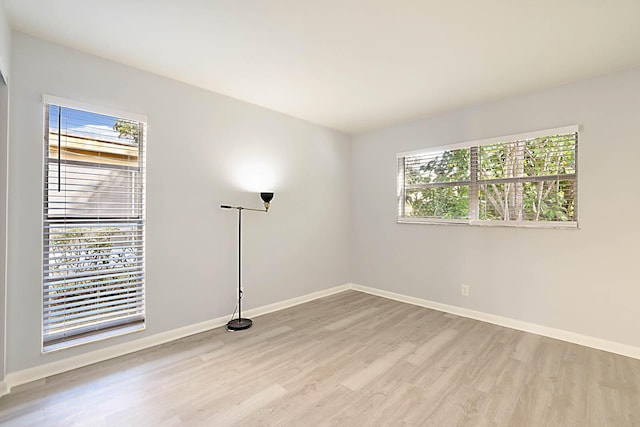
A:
<point x="240" y="272"/>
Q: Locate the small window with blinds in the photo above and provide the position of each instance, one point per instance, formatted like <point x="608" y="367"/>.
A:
<point x="93" y="226"/>
<point x="520" y="180"/>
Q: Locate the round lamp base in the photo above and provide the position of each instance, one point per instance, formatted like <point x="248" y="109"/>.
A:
<point x="239" y="324"/>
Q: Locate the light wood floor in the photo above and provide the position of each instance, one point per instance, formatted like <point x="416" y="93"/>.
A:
<point x="351" y="359"/>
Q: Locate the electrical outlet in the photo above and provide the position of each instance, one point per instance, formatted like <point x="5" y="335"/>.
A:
<point x="464" y="290"/>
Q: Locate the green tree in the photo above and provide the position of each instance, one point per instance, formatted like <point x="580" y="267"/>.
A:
<point x="127" y="130"/>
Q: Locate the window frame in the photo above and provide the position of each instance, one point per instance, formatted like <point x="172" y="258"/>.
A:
<point x="109" y="328"/>
<point x="475" y="182"/>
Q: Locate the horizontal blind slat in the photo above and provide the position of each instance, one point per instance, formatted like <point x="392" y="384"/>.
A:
<point x="96" y="276"/>
<point x="54" y="303"/>
<point x="92" y="315"/>
<point x="79" y="288"/>
<point x="64" y="313"/>
<point x="72" y="272"/>
<point x="84" y="319"/>
<point x="117" y="244"/>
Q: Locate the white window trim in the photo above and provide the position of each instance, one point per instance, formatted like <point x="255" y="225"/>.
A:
<point x="75" y="342"/>
<point x="107" y="111"/>
<point x="489" y="141"/>
<point x="572" y="225"/>
<point x="484" y="223"/>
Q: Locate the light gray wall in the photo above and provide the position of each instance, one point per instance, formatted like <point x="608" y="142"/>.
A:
<point x="4" y="157"/>
<point x="5" y="41"/>
<point x="198" y="145"/>
<point x="584" y="281"/>
<point x="5" y="57"/>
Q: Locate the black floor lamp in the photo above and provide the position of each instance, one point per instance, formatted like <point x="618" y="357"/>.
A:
<point x="240" y="323"/>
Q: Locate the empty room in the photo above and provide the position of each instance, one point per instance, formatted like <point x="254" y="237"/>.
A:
<point x="329" y="213"/>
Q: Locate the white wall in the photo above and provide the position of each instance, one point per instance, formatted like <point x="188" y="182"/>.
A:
<point x="584" y="281"/>
<point x="198" y="144"/>
<point x="5" y="56"/>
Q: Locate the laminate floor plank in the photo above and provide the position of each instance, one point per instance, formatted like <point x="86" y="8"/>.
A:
<point x="350" y="359"/>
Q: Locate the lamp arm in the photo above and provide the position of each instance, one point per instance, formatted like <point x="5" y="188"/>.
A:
<point x="266" y="198"/>
<point x="242" y="208"/>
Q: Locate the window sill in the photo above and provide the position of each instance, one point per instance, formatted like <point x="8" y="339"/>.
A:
<point x="569" y="225"/>
<point x="46" y="349"/>
<point x="407" y="220"/>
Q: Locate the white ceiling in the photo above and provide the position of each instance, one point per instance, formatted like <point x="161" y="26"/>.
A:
<point x="351" y="65"/>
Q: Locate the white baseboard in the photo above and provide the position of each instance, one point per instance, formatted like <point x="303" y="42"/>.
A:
<point x="560" y="334"/>
<point x="15" y="379"/>
<point x="25" y="376"/>
<point x="254" y="312"/>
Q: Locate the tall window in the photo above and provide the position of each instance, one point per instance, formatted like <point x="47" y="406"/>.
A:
<point x="93" y="227"/>
<point x="523" y="180"/>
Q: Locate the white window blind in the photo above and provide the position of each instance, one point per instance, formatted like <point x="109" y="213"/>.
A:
<point x="93" y="227"/>
<point x="528" y="180"/>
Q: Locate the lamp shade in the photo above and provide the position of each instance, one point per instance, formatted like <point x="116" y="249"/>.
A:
<point x="266" y="197"/>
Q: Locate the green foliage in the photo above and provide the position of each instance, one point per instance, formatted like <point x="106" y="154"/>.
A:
<point x="442" y="202"/>
<point x="127" y="130"/>
<point x="448" y="166"/>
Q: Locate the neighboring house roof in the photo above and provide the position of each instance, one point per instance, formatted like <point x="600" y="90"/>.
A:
<point x="94" y="150"/>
